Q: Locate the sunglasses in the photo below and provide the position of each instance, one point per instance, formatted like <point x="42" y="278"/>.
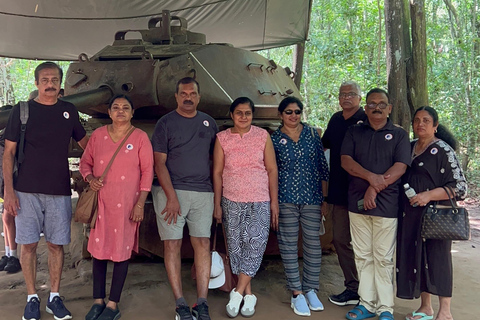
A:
<point x="297" y="111"/>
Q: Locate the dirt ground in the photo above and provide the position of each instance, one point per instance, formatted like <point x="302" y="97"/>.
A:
<point x="147" y="293"/>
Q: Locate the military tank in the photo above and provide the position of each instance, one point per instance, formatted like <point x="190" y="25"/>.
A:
<point x="146" y="65"/>
<point x="148" y="68"/>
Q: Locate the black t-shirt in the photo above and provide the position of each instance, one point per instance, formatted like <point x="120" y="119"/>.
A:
<point x="376" y="151"/>
<point x="188" y="143"/>
<point x="332" y="139"/>
<point x="47" y="136"/>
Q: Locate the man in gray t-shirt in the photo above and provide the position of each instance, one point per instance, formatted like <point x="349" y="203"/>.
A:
<point x="182" y="143"/>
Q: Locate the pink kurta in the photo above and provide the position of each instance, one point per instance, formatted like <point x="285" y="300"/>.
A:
<point x="115" y="235"/>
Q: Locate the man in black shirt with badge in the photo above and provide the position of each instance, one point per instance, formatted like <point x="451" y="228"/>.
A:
<point x="349" y="98"/>
<point x="376" y="154"/>
<point x="40" y="196"/>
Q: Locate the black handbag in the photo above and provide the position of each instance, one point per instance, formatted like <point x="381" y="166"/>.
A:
<point x="443" y="222"/>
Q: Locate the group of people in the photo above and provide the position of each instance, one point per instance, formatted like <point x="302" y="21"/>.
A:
<point x="259" y="182"/>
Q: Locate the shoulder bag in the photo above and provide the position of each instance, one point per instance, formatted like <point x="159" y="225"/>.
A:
<point x="87" y="205"/>
<point x="442" y="222"/>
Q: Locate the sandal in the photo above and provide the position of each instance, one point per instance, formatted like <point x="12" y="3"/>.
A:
<point x="385" y="316"/>
<point x="360" y="313"/>
<point x="423" y="316"/>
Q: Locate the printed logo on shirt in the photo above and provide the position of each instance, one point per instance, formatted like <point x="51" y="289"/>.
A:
<point x="66" y="115"/>
<point x="434" y="151"/>
<point x="129" y="146"/>
<point x="283" y="141"/>
<point x="359" y="121"/>
<point x="388" y="136"/>
<point x="206" y="123"/>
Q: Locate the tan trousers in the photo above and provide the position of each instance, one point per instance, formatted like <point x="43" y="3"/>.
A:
<point x="373" y="241"/>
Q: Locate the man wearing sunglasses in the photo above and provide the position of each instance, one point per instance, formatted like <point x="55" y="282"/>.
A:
<point x="375" y="154"/>
<point x="349" y="98"/>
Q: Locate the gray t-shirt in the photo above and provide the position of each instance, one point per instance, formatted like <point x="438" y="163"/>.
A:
<point x="188" y="143"/>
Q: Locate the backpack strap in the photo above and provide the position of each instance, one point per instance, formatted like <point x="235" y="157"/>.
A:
<point x="24" y="112"/>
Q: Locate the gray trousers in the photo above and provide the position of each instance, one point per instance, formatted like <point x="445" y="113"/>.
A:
<point x="290" y="218"/>
<point x="342" y="242"/>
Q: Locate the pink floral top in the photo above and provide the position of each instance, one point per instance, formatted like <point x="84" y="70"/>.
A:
<point x="245" y="177"/>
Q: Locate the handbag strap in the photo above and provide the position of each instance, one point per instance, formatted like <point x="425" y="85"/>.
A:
<point x="450" y="197"/>
<point x="115" y="154"/>
<point x="214" y="246"/>
<point x="225" y="241"/>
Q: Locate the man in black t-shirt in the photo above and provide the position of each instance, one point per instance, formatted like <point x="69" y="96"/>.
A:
<point x="182" y="144"/>
<point x="349" y="98"/>
<point x="375" y="154"/>
<point x="40" y="197"/>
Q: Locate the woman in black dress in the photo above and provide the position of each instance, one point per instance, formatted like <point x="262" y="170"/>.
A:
<point x="425" y="268"/>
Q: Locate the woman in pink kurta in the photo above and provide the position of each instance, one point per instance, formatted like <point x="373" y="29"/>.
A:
<point x="121" y="199"/>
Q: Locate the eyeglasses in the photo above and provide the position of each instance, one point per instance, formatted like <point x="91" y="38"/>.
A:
<point x="381" y="105"/>
<point x="348" y="95"/>
<point x="45" y="81"/>
<point x="297" y="111"/>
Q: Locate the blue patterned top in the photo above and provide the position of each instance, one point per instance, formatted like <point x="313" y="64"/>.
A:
<point x="301" y="167"/>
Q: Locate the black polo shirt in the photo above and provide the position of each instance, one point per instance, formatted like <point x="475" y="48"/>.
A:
<point x="332" y="139"/>
<point x="376" y="151"/>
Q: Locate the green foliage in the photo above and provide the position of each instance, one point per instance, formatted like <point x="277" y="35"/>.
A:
<point x="22" y="75"/>
<point x="343" y="45"/>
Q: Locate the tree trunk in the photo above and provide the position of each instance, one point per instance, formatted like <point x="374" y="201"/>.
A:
<point x="298" y="57"/>
<point x="396" y="62"/>
<point x="417" y="74"/>
<point x="379" y="37"/>
<point x="7" y="95"/>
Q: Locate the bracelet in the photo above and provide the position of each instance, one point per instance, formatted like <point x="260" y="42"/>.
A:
<point x="139" y="206"/>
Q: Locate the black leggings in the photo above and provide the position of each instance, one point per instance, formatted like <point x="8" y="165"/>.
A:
<point x="120" y="270"/>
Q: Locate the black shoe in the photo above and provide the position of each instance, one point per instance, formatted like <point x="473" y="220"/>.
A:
<point x="200" y="311"/>
<point x="13" y="265"/>
<point x="3" y="262"/>
<point x="345" y="298"/>
<point x="110" y="314"/>
<point x="95" y="312"/>
<point x="183" y="313"/>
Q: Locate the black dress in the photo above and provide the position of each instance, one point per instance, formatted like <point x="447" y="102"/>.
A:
<point x="437" y="166"/>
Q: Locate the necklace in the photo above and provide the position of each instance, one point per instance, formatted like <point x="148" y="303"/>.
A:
<point x="416" y="154"/>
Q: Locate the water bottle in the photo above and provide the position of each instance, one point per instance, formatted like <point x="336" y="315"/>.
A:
<point x="410" y="193"/>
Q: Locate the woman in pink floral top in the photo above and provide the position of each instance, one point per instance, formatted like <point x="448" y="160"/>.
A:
<point x="121" y="199"/>
<point x="245" y="183"/>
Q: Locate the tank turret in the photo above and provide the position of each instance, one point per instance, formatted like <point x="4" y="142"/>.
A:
<point x="147" y="70"/>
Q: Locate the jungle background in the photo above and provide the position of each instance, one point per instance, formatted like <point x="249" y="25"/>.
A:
<point x="436" y="45"/>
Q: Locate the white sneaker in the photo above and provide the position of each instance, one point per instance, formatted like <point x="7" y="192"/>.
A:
<point x="313" y="302"/>
<point x="249" y="303"/>
<point x="233" y="306"/>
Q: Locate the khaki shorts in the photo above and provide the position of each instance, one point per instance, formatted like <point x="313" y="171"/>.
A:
<point x="196" y="209"/>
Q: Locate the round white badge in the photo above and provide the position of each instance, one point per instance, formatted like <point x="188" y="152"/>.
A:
<point x="442" y="170"/>
<point x="434" y="151"/>
<point x="206" y="123"/>
<point x="388" y="136"/>
<point x="283" y="141"/>
<point x="129" y="146"/>
<point x="66" y="115"/>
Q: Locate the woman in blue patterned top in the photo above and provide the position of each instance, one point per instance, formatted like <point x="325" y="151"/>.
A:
<point x="302" y="175"/>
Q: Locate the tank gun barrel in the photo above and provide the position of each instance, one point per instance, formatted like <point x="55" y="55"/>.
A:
<point x="85" y="100"/>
